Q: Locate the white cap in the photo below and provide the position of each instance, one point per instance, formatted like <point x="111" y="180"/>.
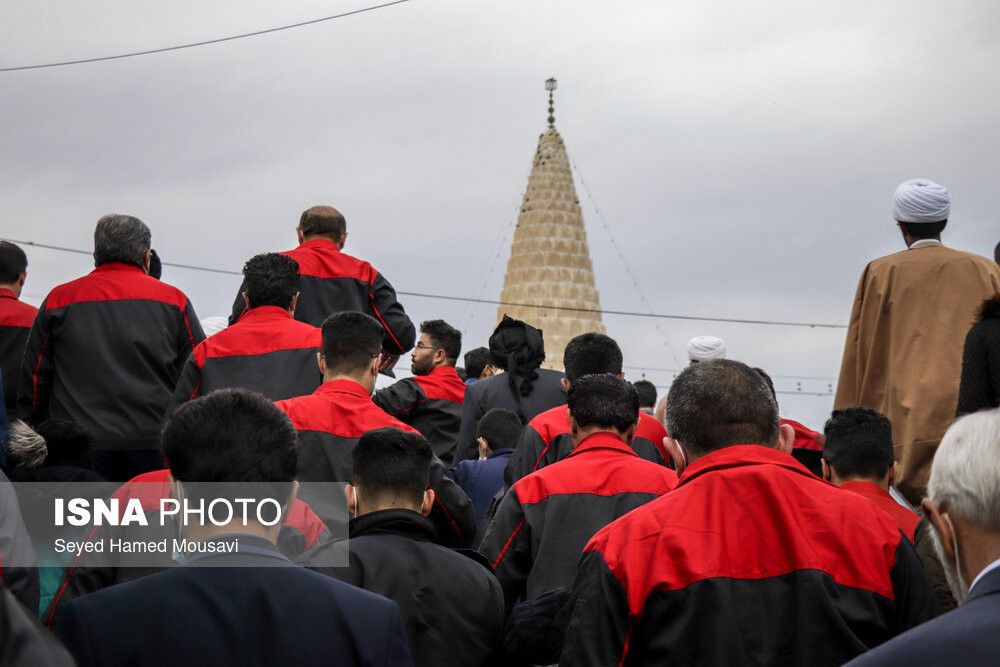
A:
<point x="921" y="200"/>
<point x="703" y="348"/>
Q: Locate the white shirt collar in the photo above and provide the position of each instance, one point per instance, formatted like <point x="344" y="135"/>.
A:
<point x="989" y="568"/>
<point x="925" y="242"/>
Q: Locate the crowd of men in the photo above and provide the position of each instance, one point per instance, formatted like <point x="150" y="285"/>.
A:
<point x="499" y="513"/>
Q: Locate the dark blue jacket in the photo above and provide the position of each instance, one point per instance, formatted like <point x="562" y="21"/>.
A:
<point x="481" y="479"/>
<point x="248" y="608"/>
<point x="969" y="635"/>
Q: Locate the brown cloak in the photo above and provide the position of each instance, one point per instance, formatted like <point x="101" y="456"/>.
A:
<point x="903" y="354"/>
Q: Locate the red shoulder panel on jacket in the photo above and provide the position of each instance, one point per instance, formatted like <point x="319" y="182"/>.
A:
<point x="552" y="422"/>
<point x="339" y="407"/>
<point x="443" y="384"/>
<point x="323" y="259"/>
<point x="14" y="313"/>
<point x="115" y="282"/>
<point x="260" y="331"/>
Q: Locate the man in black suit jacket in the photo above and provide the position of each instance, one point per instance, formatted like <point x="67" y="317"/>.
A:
<point x="962" y="500"/>
<point x="234" y="613"/>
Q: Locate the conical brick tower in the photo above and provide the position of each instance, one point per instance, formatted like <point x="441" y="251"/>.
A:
<point x="549" y="259"/>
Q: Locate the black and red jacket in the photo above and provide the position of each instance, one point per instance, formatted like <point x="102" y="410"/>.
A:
<point x="106" y="351"/>
<point x="333" y="281"/>
<point x="266" y="351"/>
<point x="91" y="571"/>
<point x="751" y="560"/>
<point x="545" y="520"/>
<point x="546" y="439"/>
<point x="330" y="421"/>
<point x="16" y="318"/>
<point x="430" y="403"/>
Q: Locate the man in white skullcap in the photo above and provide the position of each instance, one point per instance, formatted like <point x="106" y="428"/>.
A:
<point x="903" y="355"/>
<point x="703" y="348"/>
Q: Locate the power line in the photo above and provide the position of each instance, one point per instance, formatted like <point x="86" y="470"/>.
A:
<point x="495" y="302"/>
<point x="204" y="43"/>
<point x="825" y="378"/>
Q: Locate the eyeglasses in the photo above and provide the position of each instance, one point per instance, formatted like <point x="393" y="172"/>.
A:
<point x="421" y="346"/>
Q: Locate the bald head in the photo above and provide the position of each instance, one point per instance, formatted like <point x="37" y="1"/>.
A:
<point x="323" y="222"/>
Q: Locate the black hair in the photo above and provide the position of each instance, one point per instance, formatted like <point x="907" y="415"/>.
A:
<point x="518" y="348"/>
<point x="271" y="279"/>
<point x="234" y="436"/>
<point x="155" y="265"/>
<point x="590" y="354"/>
<point x="476" y="361"/>
<point x="767" y="380"/>
<point x="445" y="336"/>
<point x="500" y="428"/>
<point x="388" y="462"/>
<point x="858" y="443"/>
<point x="13" y="262"/>
<point x="604" y="401"/>
<point x="996" y="254"/>
<point x="121" y="238"/>
<point x="647" y="393"/>
<point x="323" y="221"/>
<point x="350" y="341"/>
<point x="68" y="443"/>
<point x="719" y="403"/>
<point x="923" y="230"/>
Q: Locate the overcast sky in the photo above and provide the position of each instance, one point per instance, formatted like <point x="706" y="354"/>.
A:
<point x="742" y="155"/>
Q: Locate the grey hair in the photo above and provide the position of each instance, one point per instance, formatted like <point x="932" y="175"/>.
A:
<point x="27" y="448"/>
<point x="121" y="238"/>
<point x="718" y="403"/>
<point x="965" y="476"/>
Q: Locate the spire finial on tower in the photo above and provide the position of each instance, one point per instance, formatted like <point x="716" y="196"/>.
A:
<point x="550" y="85"/>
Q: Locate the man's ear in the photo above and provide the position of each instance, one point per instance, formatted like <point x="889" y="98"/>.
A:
<point x="676" y="454"/>
<point x="22" y="278"/>
<point x="145" y="262"/>
<point x="300" y="235"/>
<point x="574" y="427"/>
<point x="630" y="433"/>
<point x="428" y="503"/>
<point x="321" y="362"/>
<point x="351" y="497"/>
<point x="343" y="240"/>
<point x="826" y="470"/>
<point x="291" y="306"/>
<point x="246" y="300"/>
<point x="943" y="528"/>
<point x="893" y="470"/>
<point x="565" y="384"/>
<point x="786" y="438"/>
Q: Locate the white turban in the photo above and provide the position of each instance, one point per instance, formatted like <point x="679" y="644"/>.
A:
<point x="213" y="325"/>
<point x="921" y="200"/>
<point x="703" y="348"/>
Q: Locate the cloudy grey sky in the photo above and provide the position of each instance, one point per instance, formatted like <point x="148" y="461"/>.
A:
<point x="742" y="155"/>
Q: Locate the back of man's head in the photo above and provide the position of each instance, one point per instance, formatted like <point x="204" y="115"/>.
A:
<point x="323" y="221"/>
<point x="271" y="279"/>
<point x="476" y="362"/>
<point x="965" y="477"/>
<point x="445" y="336"/>
<point x="233" y="436"/>
<point x="391" y="468"/>
<point x="858" y="444"/>
<point x="351" y="340"/>
<point x="501" y="428"/>
<point x="719" y="403"/>
<point x="13" y="262"/>
<point x="647" y="393"/>
<point x="603" y="401"/>
<point x="591" y="354"/>
<point x="68" y="443"/>
<point x="121" y="238"/>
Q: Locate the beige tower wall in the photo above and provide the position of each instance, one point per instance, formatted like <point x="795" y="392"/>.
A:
<point x="549" y="259"/>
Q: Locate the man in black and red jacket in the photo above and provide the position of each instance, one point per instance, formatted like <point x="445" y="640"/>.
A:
<point x="332" y="419"/>
<point x="16" y="318"/>
<point x="267" y="350"/>
<point x="751" y="559"/>
<point x="333" y="282"/>
<point x="106" y="351"/>
<point x="431" y="400"/>
<point x="546" y="439"/>
<point x="546" y="519"/>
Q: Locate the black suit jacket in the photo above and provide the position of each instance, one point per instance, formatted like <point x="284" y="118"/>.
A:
<point x="248" y="608"/>
<point x="968" y="636"/>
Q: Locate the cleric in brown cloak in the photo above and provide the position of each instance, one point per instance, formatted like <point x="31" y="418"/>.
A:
<point x="903" y="354"/>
